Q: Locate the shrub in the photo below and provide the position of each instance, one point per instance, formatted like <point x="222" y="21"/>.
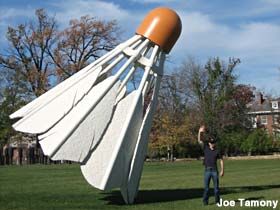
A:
<point x="257" y="142"/>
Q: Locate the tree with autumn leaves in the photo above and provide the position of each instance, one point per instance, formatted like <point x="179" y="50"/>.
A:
<point x="40" y="55"/>
<point x="84" y="40"/>
<point x="171" y="126"/>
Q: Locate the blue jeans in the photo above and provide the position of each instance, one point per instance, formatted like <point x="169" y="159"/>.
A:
<point x="208" y="174"/>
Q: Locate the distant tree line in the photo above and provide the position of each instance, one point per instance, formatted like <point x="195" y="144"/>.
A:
<point x="40" y="55"/>
<point x="196" y="94"/>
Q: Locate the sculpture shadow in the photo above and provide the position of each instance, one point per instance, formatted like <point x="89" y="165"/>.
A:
<point x="167" y="195"/>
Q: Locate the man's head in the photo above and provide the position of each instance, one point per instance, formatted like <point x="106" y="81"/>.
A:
<point x="211" y="142"/>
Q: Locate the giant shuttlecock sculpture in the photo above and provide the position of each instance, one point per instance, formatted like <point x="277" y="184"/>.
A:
<point x="96" y="119"/>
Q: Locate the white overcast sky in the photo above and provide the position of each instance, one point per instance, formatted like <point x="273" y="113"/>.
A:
<point x="245" y="29"/>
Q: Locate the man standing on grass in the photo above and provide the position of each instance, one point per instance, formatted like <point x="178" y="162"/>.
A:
<point x="211" y="154"/>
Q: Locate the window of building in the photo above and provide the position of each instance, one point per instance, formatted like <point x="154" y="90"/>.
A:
<point x="274" y="104"/>
<point x="263" y="119"/>
<point x="254" y="121"/>
<point x="276" y="119"/>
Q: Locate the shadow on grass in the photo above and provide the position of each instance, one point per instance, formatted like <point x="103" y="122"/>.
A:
<point x="166" y="195"/>
<point x="251" y="198"/>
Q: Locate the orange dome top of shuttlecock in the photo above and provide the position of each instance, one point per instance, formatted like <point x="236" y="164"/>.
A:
<point x="162" y="26"/>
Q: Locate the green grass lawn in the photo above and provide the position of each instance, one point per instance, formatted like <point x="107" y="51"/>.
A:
<point x="163" y="186"/>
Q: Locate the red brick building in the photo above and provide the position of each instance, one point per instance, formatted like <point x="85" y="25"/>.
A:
<point x="265" y="113"/>
<point x="22" y="150"/>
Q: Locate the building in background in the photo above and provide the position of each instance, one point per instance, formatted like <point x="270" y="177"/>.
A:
<point x="265" y="113"/>
<point x="22" y="149"/>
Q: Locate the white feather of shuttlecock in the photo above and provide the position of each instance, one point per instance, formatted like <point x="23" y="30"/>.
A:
<point x="92" y="120"/>
<point x="129" y="188"/>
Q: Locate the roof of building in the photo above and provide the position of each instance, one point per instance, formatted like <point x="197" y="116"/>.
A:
<point x="263" y="105"/>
